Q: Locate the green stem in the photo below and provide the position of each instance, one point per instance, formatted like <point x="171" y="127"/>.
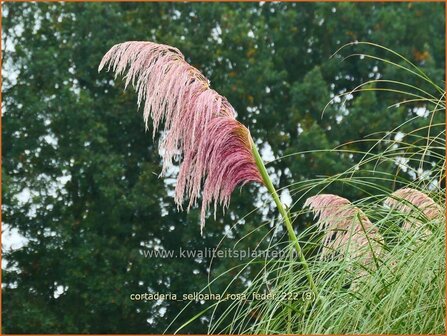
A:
<point x="268" y="183"/>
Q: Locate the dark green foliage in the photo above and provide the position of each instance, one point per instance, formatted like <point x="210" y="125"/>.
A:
<point x="273" y="64"/>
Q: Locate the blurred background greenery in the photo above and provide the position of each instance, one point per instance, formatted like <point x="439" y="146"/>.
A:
<point x="81" y="194"/>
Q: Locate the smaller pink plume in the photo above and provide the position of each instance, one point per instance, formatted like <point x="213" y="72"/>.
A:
<point x="412" y="201"/>
<point x="346" y="228"/>
<point x="199" y="124"/>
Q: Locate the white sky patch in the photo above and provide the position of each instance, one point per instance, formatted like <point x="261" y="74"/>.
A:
<point x="340" y="100"/>
<point x="421" y="111"/>
<point x="253" y="110"/>
<point x="336" y="99"/>
<point x="53" y="187"/>
<point x="267" y="153"/>
<point x="216" y="34"/>
<point x="176" y="14"/>
<point x="375" y="73"/>
<point x="50" y="139"/>
<point x="228" y="232"/>
<point x="273" y="175"/>
<point x="285" y="197"/>
<point x="399" y="136"/>
<point x="349" y="96"/>
<point x="9" y="71"/>
<point x="23" y="196"/>
<point x="170" y="179"/>
<point x="424" y="174"/>
<point x="59" y="290"/>
<point x="12" y="239"/>
<point x="264" y="202"/>
<point x="402" y="162"/>
<point x="412" y="174"/>
<point x="154" y="244"/>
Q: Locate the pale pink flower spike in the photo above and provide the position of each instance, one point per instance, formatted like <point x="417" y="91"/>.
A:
<point x="345" y="227"/>
<point x="415" y="203"/>
<point x="200" y="126"/>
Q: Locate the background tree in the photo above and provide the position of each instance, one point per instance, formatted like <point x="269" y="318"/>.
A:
<point x="80" y="172"/>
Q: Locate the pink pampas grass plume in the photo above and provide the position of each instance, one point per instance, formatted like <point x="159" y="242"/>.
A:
<point x="414" y="202"/>
<point x="215" y="150"/>
<point x="346" y="228"/>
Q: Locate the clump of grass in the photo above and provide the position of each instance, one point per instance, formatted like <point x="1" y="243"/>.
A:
<point x="394" y="287"/>
<point x="403" y="291"/>
<point x="379" y="262"/>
